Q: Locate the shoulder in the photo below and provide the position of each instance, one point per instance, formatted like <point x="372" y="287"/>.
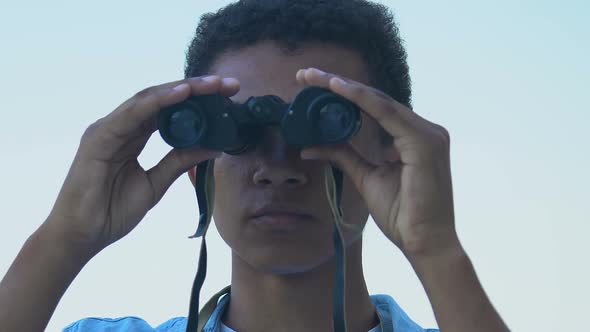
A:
<point x="125" y="324"/>
<point x="392" y="313"/>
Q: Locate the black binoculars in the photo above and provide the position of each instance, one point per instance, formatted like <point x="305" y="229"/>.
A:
<point x="316" y="116"/>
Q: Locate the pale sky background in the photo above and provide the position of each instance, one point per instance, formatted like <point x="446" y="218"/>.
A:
<point x="508" y="79"/>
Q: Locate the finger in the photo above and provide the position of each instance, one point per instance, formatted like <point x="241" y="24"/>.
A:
<point x="148" y="102"/>
<point x="395" y="118"/>
<point x="144" y="106"/>
<point x="346" y="158"/>
<point x="318" y="77"/>
<point x="174" y="164"/>
<point x="229" y="86"/>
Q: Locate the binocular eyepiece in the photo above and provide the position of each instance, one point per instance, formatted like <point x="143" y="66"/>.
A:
<point x="316" y="116"/>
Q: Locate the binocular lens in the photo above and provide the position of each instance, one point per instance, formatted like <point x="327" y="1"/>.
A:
<point x="335" y="121"/>
<point x="185" y="127"/>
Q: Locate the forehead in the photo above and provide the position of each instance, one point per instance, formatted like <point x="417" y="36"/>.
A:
<point x="264" y="68"/>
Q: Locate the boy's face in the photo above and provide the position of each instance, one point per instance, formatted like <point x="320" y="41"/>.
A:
<point x="273" y="176"/>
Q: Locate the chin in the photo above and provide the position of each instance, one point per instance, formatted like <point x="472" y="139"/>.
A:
<point x="285" y="269"/>
<point x="274" y="263"/>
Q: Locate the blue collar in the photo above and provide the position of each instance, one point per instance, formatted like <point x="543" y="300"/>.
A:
<point x="390" y="315"/>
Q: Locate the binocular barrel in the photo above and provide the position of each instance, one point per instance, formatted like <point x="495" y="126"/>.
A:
<point x="316" y="116"/>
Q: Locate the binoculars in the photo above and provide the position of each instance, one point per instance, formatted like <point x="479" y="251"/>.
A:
<point x="315" y="116"/>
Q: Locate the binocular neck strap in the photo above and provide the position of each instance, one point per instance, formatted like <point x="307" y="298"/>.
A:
<point x="205" y="190"/>
<point x="333" y="183"/>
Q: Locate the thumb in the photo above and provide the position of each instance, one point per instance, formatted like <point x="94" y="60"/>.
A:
<point x="173" y="165"/>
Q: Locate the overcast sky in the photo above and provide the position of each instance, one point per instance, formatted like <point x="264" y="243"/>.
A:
<point x="508" y="79"/>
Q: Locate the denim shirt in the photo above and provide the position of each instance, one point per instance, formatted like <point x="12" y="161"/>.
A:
<point x="392" y="317"/>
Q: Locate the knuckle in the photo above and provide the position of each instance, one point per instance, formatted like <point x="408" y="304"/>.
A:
<point x="358" y="92"/>
<point x="439" y="142"/>
<point x="445" y="135"/>
<point x="128" y="104"/>
<point x="365" y="92"/>
<point x="98" y="133"/>
<point x="203" y="80"/>
<point x="383" y="109"/>
<point x="92" y="130"/>
<point x="441" y="135"/>
<point x="145" y="93"/>
<point x="93" y="138"/>
<point x="381" y="95"/>
<point x="432" y="146"/>
<point x="194" y="79"/>
<point x="329" y="77"/>
<point x="385" y="104"/>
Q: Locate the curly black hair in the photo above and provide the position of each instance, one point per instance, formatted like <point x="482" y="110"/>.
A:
<point x="366" y="27"/>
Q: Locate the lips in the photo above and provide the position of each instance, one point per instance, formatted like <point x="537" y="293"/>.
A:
<point x="274" y="219"/>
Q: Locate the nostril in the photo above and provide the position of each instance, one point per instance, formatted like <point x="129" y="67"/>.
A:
<point x="292" y="181"/>
<point x="279" y="175"/>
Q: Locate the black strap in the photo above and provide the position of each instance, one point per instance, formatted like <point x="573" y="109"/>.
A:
<point x="338" y="176"/>
<point x="193" y="319"/>
<point x="200" y="189"/>
<point x="338" y="315"/>
<point x="338" y="295"/>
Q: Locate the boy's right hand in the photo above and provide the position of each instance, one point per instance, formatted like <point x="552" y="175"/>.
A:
<point x="106" y="192"/>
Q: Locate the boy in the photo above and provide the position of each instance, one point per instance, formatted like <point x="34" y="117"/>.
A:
<point x="270" y="205"/>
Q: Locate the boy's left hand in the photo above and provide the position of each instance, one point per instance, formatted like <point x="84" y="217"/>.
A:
<point x="411" y="200"/>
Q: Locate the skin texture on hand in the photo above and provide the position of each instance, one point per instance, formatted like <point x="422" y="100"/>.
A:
<point x="106" y="192"/>
<point x="105" y="195"/>
<point x="409" y="195"/>
<point x="410" y="198"/>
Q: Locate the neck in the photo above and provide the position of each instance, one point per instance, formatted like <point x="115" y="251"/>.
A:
<point x="264" y="302"/>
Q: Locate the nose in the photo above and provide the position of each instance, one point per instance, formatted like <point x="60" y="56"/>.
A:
<point x="278" y="174"/>
<point x="278" y="164"/>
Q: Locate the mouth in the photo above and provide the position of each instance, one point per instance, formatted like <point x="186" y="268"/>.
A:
<point x="280" y="220"/>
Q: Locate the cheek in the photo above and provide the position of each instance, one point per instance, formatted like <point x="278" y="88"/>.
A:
<point x="223" y="177"/>
<point x="354" y="209"/>
<point x="230" y="177"/>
